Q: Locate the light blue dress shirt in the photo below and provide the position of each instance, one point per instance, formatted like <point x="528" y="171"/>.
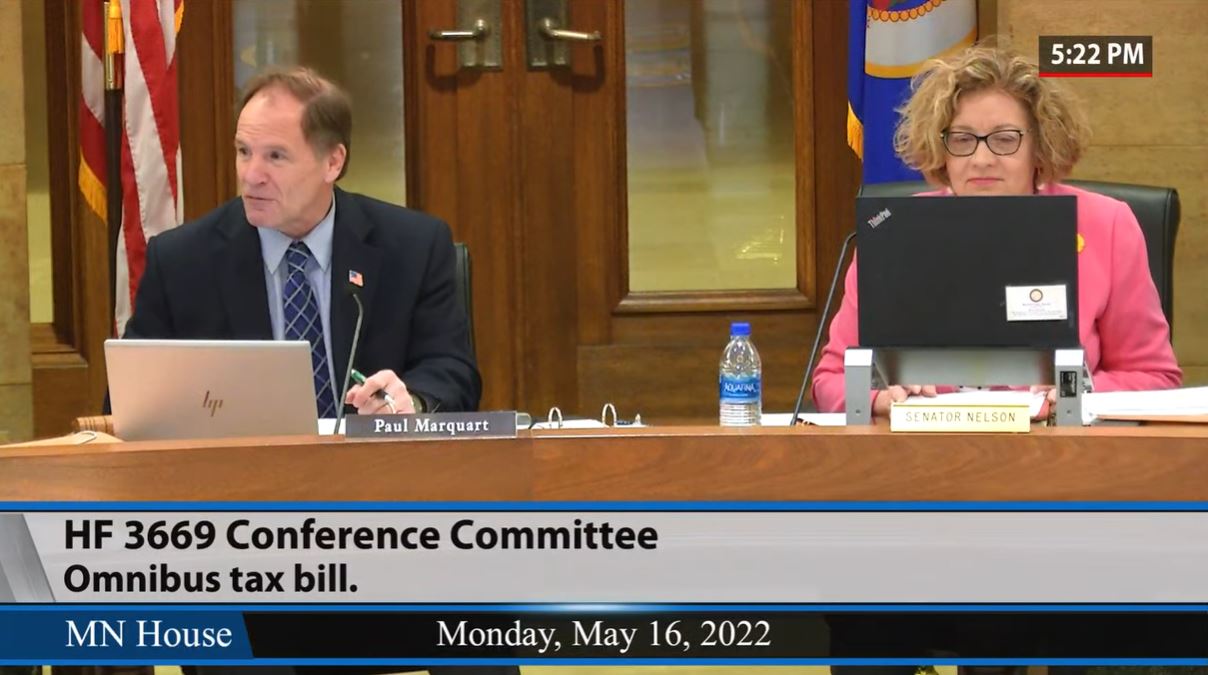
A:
<point x="273" y="245"/>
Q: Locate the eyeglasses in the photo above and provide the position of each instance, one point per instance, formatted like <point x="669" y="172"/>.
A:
<point x="1003" y="143"/>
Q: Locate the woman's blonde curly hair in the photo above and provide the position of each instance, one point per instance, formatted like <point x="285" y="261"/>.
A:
<point x="1057" y="123"/>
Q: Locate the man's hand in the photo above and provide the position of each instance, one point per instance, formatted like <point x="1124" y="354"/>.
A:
<point x="897" y="394"/>
<point x="368" y="401"/>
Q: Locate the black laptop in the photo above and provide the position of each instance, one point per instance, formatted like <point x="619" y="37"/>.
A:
<point x="968" y="272"/>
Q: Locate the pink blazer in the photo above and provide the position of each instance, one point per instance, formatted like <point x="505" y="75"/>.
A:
<point x="1120" y="320"/>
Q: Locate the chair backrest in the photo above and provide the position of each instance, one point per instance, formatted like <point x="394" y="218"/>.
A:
<point x="1156" y="209"/>
<point x="465" y="288"/>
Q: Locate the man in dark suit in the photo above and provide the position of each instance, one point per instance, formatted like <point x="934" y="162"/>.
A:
<point x="275" y="263"/>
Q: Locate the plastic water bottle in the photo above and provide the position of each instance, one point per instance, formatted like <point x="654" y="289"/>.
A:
<point x="740" y="384"/>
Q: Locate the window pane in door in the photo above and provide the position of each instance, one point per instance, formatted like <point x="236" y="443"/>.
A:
<point x="356" y="43"/>
<point x="710" y="145"/>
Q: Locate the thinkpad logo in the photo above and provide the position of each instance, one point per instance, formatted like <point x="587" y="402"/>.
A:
<point x="211" y="404"/>
<point x="879" y="218"/>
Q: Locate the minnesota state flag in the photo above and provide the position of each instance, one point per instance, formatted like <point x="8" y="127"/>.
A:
<point x="890" y="41"/>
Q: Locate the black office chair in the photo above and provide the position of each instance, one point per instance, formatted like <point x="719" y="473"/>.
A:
<point x="1156" y="209"/>
<point x="465" y="291"/>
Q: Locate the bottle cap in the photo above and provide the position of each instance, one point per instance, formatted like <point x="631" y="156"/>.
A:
<point x="740" y="328"/>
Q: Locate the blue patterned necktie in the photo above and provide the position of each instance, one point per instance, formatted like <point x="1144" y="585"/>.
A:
<point x="302" y="322"/>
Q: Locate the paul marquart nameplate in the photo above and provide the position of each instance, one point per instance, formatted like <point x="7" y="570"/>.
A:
<point x="431" y="426"/>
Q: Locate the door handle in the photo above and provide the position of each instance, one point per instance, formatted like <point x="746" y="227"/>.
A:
<point x="481" y="44"/>
<point x="480" y="30"/>
<point x="550" y="31"/>
<point x="548" y="39"/>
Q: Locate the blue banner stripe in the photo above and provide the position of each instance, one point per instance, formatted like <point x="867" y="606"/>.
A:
<point x="123" y="634"/>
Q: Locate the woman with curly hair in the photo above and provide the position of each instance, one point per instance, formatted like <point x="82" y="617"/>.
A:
<point x="983" y="122"/>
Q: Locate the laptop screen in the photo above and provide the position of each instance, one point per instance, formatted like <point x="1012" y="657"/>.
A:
<point x="975" y="272"/>
<point x="168" y="389"/>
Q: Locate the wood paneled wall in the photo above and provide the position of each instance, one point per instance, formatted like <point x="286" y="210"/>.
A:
<point x="1146" y="130"/>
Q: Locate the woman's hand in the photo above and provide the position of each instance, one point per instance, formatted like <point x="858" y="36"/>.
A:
<point x="1050" y="400"/>
<point x="897" y="394"/>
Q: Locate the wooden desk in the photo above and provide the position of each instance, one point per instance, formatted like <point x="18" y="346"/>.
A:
<point x="1151" y="463"/>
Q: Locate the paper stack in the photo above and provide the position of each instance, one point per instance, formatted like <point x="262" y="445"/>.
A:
<point x="1168" y="405"/>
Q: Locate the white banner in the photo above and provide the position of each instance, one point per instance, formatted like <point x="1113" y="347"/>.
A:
<point x="628" y="556"/>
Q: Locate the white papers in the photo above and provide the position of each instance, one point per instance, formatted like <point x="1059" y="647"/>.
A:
<point x="571" y="424"/>
<point x="1172" y="403"/>
<point x="816" y="419"/>
<point x="584" y="424"/>
<point x="327" y="426"/>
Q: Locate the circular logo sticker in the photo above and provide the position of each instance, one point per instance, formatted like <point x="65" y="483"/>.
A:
<point x="1036" y="295"/>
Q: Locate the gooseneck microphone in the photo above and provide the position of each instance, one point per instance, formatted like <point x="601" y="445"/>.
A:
<point x="350" y="289"/>
<point x="830" y="297"/>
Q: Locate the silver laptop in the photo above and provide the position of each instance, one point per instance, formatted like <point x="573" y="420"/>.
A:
<point x="166" y="389"/>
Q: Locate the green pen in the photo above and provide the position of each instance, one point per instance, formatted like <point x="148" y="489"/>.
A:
<point x="380" y="393"/>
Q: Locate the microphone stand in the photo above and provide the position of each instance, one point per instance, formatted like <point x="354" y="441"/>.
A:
<point x="356" y="337"/>
<point x="830" y="297"/>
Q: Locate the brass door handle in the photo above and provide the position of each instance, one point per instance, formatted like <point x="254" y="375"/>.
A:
<point x="550" y="31"/>
<point x="480" y="31"/>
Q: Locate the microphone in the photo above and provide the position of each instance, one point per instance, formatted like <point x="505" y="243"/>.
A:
<point x="350" y="289"/>
<point x="830" y="297"/>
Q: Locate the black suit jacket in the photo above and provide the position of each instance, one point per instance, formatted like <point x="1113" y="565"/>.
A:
<point x="205" y="280"/>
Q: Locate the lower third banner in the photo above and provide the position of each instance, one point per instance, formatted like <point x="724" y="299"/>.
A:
<point x="601" y="634"/>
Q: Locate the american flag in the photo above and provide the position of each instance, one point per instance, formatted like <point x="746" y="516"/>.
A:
<point x="151" y="191"/>
<point x="355" y="278"/>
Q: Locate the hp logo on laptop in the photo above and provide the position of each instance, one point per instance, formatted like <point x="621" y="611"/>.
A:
<point x="212" y="404"/>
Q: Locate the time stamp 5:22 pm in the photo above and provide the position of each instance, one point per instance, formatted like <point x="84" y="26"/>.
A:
<point x="1096" y="56"/>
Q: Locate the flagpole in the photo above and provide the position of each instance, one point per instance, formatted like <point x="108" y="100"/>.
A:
<point x="114" y="47"/>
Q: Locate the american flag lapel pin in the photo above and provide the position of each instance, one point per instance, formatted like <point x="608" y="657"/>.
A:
<point x="355" y="278"/>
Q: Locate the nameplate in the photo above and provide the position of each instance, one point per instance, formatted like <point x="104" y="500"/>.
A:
<point x="960" y="418"/>
<point x="431" y="426"/>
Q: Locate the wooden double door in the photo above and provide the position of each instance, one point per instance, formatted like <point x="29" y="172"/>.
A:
<point x="531" y="164"/>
